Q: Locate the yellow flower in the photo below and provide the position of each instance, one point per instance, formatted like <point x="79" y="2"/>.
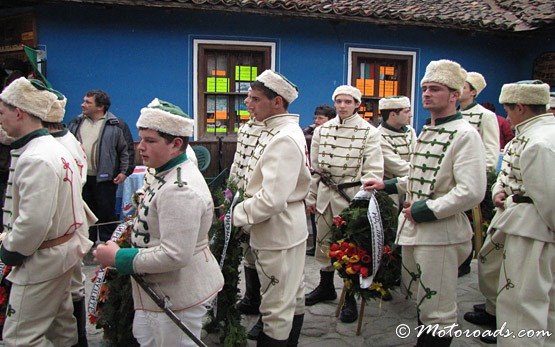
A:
<point x="377" y="286"/>
<point x="354" y="259"/>
<point x="337" y="265"/>
<point x="350" y="271"/>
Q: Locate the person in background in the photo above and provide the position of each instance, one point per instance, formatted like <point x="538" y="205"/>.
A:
<point x="170" y="233"/>
<point x="485" y="122"/>
<point x="506" y="133"/>
<point x="53" y="122"/>
<point x="398" y="137"/>
<point x="247" y="138"/>
<point x="44" y="221"/>
<point x="447" y="177"/>
<point x="110" y="158"/>
<point x="322" y="114"/>
<point x="551" y="107"/>
<point x="344" y="149"/>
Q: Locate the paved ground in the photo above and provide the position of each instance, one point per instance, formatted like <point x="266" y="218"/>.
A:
<point x="322" y="329"/>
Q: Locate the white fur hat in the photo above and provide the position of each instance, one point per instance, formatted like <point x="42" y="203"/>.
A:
<point x="279" y="84"/>
<point x="347" y="90"/>
<point x="57" y="111"/>
<point x="165" y="117"/>
<point x="446" y="72"/>
<point x="393" y="103"/>
<point x="30" y="96"/>
<point x="477" y="81"/>
<point x="525" y="92"/>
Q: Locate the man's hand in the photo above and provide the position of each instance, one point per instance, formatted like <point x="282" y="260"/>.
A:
<point x="311" y="209"/>
<point x="406" y="211"/>
<point x="120" y="178"/>
<point x="106" y="254"/>
<point x="373" y="184"/>
<point x="499" y="199"/>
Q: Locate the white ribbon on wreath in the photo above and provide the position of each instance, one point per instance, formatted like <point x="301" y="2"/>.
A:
<point x="376" y="234"/>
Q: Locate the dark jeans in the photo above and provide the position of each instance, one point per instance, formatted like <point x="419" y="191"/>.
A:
<point x="101" y="198"/>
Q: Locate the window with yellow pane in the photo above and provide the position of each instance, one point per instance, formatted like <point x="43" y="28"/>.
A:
<point x="378" y="76"/>
<point x="225" y="73"/>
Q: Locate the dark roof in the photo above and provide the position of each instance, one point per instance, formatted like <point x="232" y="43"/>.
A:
<point x="476" y="15"/>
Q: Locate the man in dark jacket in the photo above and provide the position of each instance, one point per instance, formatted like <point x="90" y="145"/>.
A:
<point x="110" y="157"/>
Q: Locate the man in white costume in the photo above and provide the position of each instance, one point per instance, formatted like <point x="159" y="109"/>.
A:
<point x="446" y="178"/>
<point x="43" y="214"/>
<point x="276" y="183"/>
<point x="345" y="149"/>
<point x="526" y="299"/>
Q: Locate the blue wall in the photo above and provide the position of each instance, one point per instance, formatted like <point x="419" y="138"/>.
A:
<point x="136" y="54"/>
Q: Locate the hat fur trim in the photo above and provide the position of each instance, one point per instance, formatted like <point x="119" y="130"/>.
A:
<point x="393" y="103"/>
<point x="165" y="122"/>
<point x="57" y="111"/>
<point x="446" y="72"/>
<point x="525" y="93"/>
<point x="347" y="90"/>
<point x="477" y="81"/>
<point x="279" y="85"/>
<point x="25" y="96"/>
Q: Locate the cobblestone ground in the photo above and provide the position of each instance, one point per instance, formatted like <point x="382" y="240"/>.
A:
<point x="322" y="329"/>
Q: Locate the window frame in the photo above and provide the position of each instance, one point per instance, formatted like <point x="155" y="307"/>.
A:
<point x="408" y="57"/>
<point x="200" y="46"/>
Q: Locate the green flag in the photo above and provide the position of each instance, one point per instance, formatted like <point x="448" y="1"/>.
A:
<point x="32" y="56"/>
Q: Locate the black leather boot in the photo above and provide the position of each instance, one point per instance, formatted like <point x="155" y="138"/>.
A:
<point x="256" y="329"/>
<point x="481" y="318"/>
<point x="349" y="311"/>
<point x="293" y="339"/>
<point x="479" y="308"/>
<point x="429" y="340"/>
<point x="324" y="291"/>
<point x="266" y="341"/>
<point x="464" y="269"/>
<point x="80" y="314"/>
<point x="251" y="300"/>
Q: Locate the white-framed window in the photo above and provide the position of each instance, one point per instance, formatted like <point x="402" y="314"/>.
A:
<point x="222" y="73"/>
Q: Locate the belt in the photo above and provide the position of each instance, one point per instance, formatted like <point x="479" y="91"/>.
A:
<point x="55" y="242"/>
<point x="521" y="199"/>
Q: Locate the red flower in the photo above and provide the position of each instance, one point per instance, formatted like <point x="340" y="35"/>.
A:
<point x="334" y="247"/>
<point x="3" y="296"/>
<point x="364" y="271"/>
<point x="338" y="221"/>
<point x="366" y="258"/>
<point x="387" y="250"/>
<point x="92" y="318"/>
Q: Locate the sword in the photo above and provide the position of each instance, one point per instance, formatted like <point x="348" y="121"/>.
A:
<point x="161" y="302"/>
<point x="337" y="187"/>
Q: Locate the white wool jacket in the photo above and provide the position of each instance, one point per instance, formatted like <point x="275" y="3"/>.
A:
<point x="447" y="177"/>
<point x="43" y="202"/>
<point x="247" y="139"/>
<point x="531" y="156"/>
<point x="277" y="181"/>
<point x="170" y="239"/>
<point x="348" y="151"/>
<point x="397" y="146"/>
<point x="486" y="123"/>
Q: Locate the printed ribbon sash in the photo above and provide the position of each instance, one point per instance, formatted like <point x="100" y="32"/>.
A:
<point x="228" y="227"/>
<point x="101" y="272"/>
<point x="376" y="234"/>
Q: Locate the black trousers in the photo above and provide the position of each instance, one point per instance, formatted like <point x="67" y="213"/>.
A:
<point x="101" y="198"/>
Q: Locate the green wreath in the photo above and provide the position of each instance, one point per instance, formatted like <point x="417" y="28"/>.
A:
<point x="225" y="319"/>
<point x="351" y="247"/>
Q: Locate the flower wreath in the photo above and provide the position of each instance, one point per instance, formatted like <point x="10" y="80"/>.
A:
<point x="351" y="247"/>
<point x="114" y="309"/>
<point x="225" y="319"/>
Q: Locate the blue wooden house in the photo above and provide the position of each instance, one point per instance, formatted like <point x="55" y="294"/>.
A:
<point x="202" y="54"/>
